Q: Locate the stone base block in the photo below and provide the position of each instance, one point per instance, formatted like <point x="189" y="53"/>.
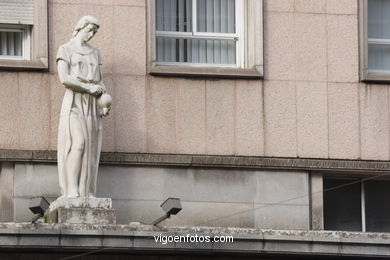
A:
<point x="94" y="203"/>
<point x="81" y="216"/>
<point x="81" y="211"/>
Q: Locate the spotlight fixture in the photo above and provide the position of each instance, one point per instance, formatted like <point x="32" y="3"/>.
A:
<point x="40" y="206"/>
<point x="171" y="206"/>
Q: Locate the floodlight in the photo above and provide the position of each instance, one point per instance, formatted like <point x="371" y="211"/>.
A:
<point x="171" y="206"/>
<point x="40" y="205"/>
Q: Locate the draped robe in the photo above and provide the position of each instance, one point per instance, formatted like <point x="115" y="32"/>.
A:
<point x="85" y="67"/>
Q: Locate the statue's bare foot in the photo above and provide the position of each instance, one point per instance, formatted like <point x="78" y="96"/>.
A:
<point x="73" y="195"/>
<point x="90" y="195"/>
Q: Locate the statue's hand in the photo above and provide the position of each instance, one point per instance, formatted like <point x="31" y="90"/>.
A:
<point x="104" y="88"/>
<point x="95" y="90"/>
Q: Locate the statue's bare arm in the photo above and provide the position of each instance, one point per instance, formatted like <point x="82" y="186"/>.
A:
<point x="73" y="83"/>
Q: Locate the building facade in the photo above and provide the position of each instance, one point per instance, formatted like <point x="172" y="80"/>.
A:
<point x="268" y="114"/>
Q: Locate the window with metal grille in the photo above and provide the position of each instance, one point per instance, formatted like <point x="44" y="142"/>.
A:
<point x="14" y="42"/>
<point x="374" y="20"/>
<point x="198" y="32"/>
<point x="23" y="34"/>
<point x="379" y="36"/>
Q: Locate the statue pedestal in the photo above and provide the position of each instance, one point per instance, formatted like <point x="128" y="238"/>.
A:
<point x="81" y="211"/>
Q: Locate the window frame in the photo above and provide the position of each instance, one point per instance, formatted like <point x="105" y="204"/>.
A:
<point x="362" y="198"/>
<point x="250" y="51"/>
<point x="365" y="75"/>
<point x="26" y="40"/>
<point x="195" y="34"/>
<point x="36" y="45"/>
<point x="318" y="196"/>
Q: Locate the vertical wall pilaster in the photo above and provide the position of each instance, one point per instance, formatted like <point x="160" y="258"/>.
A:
<point x="317" y="201"/>
<point x="7" y="192"/>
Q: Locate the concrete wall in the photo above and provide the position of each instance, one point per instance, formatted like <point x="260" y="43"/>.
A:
<point x="310" y="104"/>
<point x="210" y="197"/>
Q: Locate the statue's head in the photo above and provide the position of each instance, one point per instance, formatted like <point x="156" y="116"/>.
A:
<point x="86" y="28"/>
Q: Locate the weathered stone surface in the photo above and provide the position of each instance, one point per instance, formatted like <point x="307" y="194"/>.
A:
<point x="95" y="216"/>
<point x="310" y="47"/>
<point x="129" y="118"/>
<point x="6" y="191"/>
<point x="374" y="123"/>
<point x="310" y="6"/>
<point x="280" y="114"/>
<point x="220" y="117"/>
<point x="257" y="162"/>
<point x="279" y="33"/>
<point x="249" y="116"/>
<point x="342" y="7"/>
<point x="246" y="240"/>
<point x="312" y="129"/>
<point x="343" y="63"/>
<point x="160" y="115"/>
<point x="92" y="203"/>
<point x="317" y="201"/>
<point x="81" y="211"/>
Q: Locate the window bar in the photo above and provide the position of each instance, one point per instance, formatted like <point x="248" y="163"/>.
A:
<point x="26" y="43"/>
<point x="210" y="36"/>
<point x="165" y="27"/>
<point x="363" y="207"/>
<point x="231" y="5"/>
<point x="237" y="20"/>
<point x="208" y="28"/>
<point x="194" y="17"/>
<point x="18" y="44"/>
<point x="207" y="41"/>
<point x="3" y="43"/>
<point x="11" y="44"/>
<point x="378" y="41"/>
<point x="177" y="27"/>
<point x="185" y="44"/>
<point x="190" y="26"/>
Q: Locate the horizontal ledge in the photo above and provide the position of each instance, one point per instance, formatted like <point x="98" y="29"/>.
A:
<point x="381" y="78"/>
<point x="23" y="65"/>
<point x="205" y="72"/>
<point x="246" y="240"/>
<point x="210" y="161"/>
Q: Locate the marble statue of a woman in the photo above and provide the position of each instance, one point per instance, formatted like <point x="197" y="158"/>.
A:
<point x="80" y="127"/>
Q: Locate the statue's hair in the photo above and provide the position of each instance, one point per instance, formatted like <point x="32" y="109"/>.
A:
<point x="83" y="22"/>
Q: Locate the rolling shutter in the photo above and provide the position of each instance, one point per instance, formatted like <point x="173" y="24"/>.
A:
<point x="17" y="11"/>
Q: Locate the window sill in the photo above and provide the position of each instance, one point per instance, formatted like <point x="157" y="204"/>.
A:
<point x="24" y="64"/>
<point x="206" y="72"/>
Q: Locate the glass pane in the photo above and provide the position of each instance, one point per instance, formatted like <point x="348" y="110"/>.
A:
<point x="377" y="206"/>
<point x="216" y="16"/>
<point x="196" y="51"/>
<point x="379" y="19"/>
<point x="342" y="206"/>
<point x="378" y="58"/>
<point x="174" y="15"/>
<point x="11" y="44"/>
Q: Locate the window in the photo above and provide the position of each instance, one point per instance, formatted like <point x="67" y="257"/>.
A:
<point x="353" y="205"/>
<point x="375" y="40"/>
<point x="198" y="32"/>
<point x="15" y="42"/>
<point x="23" y="34"/>
<point x="206" y="37"/>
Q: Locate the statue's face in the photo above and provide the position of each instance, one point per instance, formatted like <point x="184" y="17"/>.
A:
<point x="88" y="32"/>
